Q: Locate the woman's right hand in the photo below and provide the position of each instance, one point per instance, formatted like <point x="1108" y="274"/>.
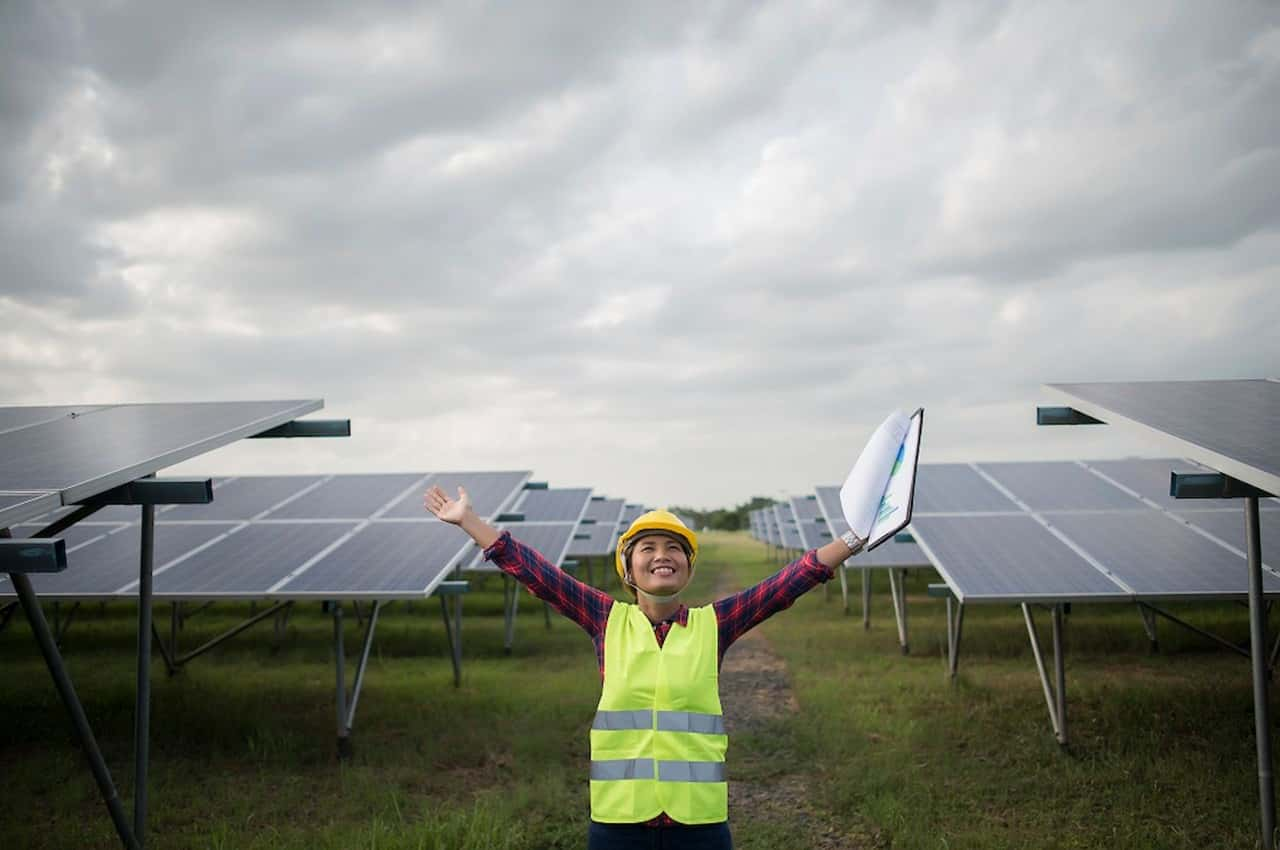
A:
<point x="450" y="510"/>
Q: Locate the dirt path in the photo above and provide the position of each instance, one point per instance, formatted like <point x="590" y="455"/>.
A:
<point x="755" y="692"/>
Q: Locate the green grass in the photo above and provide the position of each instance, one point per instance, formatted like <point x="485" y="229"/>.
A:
<point x="1162" y="751"/>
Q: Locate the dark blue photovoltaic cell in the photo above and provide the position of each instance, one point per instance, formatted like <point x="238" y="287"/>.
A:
<point x="1009" y="558"/>
<point x="111" y="563"/>
<point x="813" y="534"/>
<point x="1060" y="486"/>
<point x="490" y="492"/>
<point x="605" y="510"/>
<point x="242" y="498"/>
<point x="952" y="487"/>
<point x="248" y="561"/>
<point x="600" y="541"/>
<point x="787" y="529"/>
<point x="829" y="502"/>
<point x="1149" y="477"/>
<point x="1239" y="420"/>
<point x="1228" y="526"/>
<point x="630" y="513"/>
<point x="805" y="508"/>
<point x="387" y="558"/>
<point x="561" y="504"/>
<point x="356" y="496"/>
<point x="1158" y="556"/>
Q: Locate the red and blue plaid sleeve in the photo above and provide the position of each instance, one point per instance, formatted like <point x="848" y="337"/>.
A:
<point x="580" y="602"/>
<point x="744" y="610"/>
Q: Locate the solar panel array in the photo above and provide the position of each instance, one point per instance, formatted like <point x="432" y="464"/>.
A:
<point x="1063" y="530"/>
<point x="290" y="537"/>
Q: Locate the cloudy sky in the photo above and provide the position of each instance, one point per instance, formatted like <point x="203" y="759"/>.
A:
<point x="680" y="256"/>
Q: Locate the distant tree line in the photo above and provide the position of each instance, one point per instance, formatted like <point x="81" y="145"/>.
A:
<point x="724" y="519"/>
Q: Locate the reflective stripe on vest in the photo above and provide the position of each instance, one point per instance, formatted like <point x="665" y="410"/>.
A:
<point x="617" y="770"/>
<point x="668" y="721"/>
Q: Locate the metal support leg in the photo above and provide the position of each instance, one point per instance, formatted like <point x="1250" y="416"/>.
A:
<point x="170" y="667"/>
<point x="897" y="589"/>
<point x="955" y="625"/>
<point x="453" y="631"/>
<point x="1060" y="673"/>
<point x="175" y="623"/>
<point x="340" y="688"/>
<point x="60" y="632"/>
<point x="844" y="588"/>
<point x="1051" y="700"/>
<point x="6" y="614"/>
<point x="180" y="660"/>
<point x="79" y="723"/>
<point x="866" y="600"/>
<point x="347" y="707"/>
<point x="1258" y="646"/>
<point x="142" y="710"/>
<point x="1149" y="626"/>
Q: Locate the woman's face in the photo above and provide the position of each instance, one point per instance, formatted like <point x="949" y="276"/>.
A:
<point x="659" y="565"/>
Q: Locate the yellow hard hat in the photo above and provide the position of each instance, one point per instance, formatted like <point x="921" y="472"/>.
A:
<point x="654" y="521"/>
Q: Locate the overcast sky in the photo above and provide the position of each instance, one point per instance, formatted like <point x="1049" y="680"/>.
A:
<point x="679" y="256"/>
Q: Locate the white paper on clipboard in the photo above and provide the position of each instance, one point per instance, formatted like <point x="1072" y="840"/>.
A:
<point x="877" y="496"/>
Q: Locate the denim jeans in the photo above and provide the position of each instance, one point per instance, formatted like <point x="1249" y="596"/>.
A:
<point x="637" y="836"/>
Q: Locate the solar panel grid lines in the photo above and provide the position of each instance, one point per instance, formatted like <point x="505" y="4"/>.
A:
<point x="554" y="504"/>
<point x="1071" y="544"/>
<point x="356" y="497"/>
<point x="1225" y="526"/>
<point x="491" y="492"/>
<point x="984" y="559"/>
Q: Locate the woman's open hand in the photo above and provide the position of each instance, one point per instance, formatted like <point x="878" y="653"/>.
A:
<point x="449" y="510"/>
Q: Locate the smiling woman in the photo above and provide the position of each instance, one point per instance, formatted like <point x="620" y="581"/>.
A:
<point x="658" y="739"/>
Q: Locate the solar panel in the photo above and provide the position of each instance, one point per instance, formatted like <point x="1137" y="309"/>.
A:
<point x="605" y="510"/>
<point x="1232" y="426"/>
<point x="560" y="504"/>
<point x="85" y="455"/>
<point x="601" y="538"/>
<point x="383" y="560"/>
<point x="950" y="487"/>
<point x="813" y="534"/>
<point x="1228" y="526"/>
<point x="787" y="528"/>
<point x="244" y="498"/>
<point x="13" y="418"/>
<point x="490" y="492"/>
<point x="110" y="563"/>
<point x="549" y="538"/>
<point x="1049" y="485"/>
<point x="1159" y="557"/>
<point x="805" y="508"/>
<point x="357" y="496"/>
<point x="248" y="561"/>
<point x="631" y="513"/>
<point x="1009" y="558"/>
<point x="15" y="507"/>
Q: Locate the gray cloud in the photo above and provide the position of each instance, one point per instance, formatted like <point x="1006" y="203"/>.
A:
<point x="681" y="255"/>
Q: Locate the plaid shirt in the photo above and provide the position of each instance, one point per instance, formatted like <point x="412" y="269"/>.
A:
<point x="589" y="607"/>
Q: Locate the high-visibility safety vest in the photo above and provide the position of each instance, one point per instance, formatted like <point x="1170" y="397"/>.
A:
<point x="658" y="739"/>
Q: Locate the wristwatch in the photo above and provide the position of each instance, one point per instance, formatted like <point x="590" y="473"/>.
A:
<point x="853" y="541"/>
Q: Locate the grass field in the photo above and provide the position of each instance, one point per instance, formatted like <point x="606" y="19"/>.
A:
<point x="243" y="756"/>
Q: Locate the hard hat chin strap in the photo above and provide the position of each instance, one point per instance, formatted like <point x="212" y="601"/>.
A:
<point x="652" y="597"/>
